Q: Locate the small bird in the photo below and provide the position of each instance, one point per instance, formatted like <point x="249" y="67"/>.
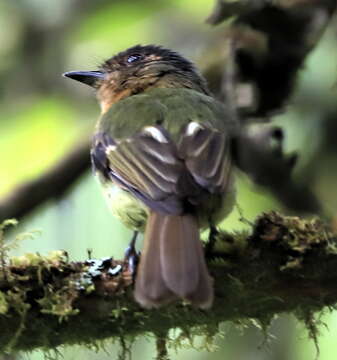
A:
<point x="161" y="151"/>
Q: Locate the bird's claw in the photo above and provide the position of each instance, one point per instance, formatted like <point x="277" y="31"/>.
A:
<point x="131" y="255"/>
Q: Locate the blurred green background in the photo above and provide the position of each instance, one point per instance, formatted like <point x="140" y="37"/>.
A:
<point x="43" y="115"/>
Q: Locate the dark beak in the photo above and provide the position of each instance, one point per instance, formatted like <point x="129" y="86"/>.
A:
<point x="86" y="77"/>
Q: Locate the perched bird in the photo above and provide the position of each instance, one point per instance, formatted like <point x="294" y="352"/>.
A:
<point x="162" y="153"/>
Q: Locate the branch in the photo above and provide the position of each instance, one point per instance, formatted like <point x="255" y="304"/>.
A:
<point x="47" y="301"/>
<point x="52" y="184"/>
<point x="272" y="39"/>
<point x="258" y="151"/>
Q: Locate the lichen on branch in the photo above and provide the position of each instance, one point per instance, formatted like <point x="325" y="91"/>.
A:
<point x="286" y="264"/>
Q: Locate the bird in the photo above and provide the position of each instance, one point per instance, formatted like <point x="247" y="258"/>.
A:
<point x="162" y="153"/>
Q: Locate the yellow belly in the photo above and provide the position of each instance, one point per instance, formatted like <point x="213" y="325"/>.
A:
<point x="133" y="213"/>
<point x="129" y="210"/>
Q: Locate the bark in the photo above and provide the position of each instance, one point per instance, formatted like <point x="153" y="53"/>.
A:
<point x="53" y="184"/>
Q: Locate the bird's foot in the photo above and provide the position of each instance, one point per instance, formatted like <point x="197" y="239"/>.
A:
<point x="131" y="256"/>
<point x="213" y="233"/>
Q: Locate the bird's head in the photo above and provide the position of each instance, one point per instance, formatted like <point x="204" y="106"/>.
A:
<point x="139" y="69"/>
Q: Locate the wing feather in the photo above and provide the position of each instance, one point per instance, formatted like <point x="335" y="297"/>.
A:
<point x="206" y="154"/>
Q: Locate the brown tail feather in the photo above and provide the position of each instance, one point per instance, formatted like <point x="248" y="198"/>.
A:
<point x="150" y="288"/>
<point x="172" y="263"/>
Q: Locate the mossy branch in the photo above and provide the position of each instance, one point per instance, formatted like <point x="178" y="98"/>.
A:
<point x="286" y="264"/>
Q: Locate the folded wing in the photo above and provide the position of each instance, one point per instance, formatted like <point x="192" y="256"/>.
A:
<point x="163" y="174"/>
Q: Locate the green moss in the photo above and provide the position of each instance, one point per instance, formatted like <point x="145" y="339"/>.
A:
<point x="53" y="258"/>
<point x="58" y="303"/>
<point x="313" y="324"/>
<point x="3" y="304"/>
<point x="17" y="301"/>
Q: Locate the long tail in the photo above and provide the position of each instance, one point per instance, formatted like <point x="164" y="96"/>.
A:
<point x="172" y="263"/>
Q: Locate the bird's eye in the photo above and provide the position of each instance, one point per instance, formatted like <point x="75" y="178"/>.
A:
<point x="133" y="58"/>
